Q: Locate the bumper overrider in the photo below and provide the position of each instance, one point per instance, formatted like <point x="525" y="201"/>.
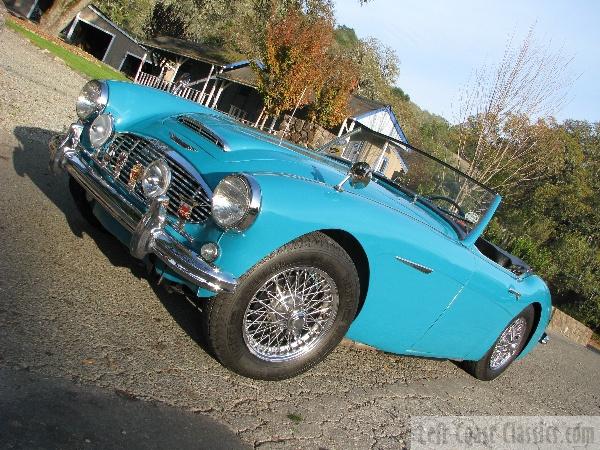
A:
<point x="148" y="229"/>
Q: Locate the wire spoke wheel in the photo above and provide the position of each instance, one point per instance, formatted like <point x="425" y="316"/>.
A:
<point x="290" y="314"/>
<point x="508" y="344"/>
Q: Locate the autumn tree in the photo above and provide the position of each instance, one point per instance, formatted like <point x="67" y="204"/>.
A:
<point x="338" y="81"/>
<point x="292" y="54"/>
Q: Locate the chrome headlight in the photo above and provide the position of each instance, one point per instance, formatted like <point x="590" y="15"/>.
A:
<point x="92" y="99"/>
<point x="156" y="179"/>
<point x="101" y="130"/>
<point x="236" y="202"/>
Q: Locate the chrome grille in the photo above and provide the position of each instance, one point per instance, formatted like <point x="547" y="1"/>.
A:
<point x="129" y="149"/>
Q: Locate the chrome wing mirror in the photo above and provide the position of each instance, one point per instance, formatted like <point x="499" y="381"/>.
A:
<point x="360" y="174"/>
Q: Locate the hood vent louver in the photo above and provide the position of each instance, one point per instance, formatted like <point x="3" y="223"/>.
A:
<point x="203" y="131"/>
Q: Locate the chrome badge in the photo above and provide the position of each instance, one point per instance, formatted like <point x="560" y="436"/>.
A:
<point x="134" y="175"/>
<point x="184" y="211"/>
<point x="121" y="160"/>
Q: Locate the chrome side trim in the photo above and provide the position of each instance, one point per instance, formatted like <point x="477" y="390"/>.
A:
<point x="514" y="292"/>
<point x="415" y="265"/>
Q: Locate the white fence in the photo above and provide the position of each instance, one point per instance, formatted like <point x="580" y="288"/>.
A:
<point x="159" y="83"/>
<point x="263" y="122"/>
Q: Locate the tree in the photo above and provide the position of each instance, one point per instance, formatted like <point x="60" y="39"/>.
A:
<point x="167" y="20"/>
<point x="60" y="14"/>
<point x="379" y="68"/>
<point x="339" y="79"/>
<point x="292" y="53"/>
<point x="496" y="133"/>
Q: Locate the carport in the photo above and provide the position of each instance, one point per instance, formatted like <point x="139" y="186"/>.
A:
<point x="90" y="38"/>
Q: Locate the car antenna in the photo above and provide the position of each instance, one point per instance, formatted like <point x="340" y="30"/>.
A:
<point x="287" y="126"/>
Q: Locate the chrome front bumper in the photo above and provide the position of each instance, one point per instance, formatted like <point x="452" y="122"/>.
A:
<point x="148" y="230"/>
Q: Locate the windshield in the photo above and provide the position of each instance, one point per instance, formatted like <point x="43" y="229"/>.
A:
<point x="443" y="189"/>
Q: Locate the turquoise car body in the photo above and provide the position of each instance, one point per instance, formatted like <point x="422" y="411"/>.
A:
<point x="455" y="311"/>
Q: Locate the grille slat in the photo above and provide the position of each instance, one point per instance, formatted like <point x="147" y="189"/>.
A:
<point x="184" y="186"/>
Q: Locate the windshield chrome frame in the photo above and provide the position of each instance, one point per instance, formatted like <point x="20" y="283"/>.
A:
<point x="466" y="238"/>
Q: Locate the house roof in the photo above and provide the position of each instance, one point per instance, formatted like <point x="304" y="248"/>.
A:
<point x="199" y="52"/>
<point x="113" y="24"/>
<point x="362" y="107"/>
<point x="243" y="75"/>
<point x="357" y="106"/>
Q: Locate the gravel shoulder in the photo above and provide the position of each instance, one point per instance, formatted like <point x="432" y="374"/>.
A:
<point x="75" y="305"/>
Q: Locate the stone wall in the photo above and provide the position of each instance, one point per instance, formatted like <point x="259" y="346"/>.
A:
<point x="304" y="132"/>
<point x="567" y="326"/>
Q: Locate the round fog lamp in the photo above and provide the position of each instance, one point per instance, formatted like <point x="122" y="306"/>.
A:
<point x="209" y="251"/>
<point x="101" y="130"/>
<point x="156" y="179"/>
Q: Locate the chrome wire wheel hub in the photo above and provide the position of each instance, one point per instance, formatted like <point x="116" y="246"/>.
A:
<point x="508" y="344"/>
<point x="290" y="314"/>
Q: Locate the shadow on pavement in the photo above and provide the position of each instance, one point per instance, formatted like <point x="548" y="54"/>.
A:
<point x="38" y="412"/>
<point x="30" y="160"/>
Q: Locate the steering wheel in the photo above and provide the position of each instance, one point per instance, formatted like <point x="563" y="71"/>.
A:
<point x="461" y="213"/>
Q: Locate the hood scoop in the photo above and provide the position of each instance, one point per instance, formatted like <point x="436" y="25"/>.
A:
<point x="203" y="131"/>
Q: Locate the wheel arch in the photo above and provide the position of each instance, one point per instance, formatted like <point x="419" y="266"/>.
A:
<point x="535" y="331"/>
<point x="355" y="250"/>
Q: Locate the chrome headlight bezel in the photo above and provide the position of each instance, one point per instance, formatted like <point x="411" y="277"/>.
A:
<point x="108" y="128"/>
<point x="166" y="175"/>
<point x="250" y="202"/>
<point x="92" y="100"/>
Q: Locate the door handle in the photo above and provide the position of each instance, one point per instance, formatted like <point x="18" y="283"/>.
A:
<point x="514" y="292"/>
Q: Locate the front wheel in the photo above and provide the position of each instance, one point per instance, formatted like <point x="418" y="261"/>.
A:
<point x="506" y="348"/>
<point x="288" y="312"/>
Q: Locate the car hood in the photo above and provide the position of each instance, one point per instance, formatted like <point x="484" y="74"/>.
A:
<point x="251" y="151"/>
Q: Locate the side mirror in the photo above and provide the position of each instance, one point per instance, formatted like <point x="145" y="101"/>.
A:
<point x="360" y="174"/>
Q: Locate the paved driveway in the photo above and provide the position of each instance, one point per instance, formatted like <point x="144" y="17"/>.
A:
<point x="74" y="305"/>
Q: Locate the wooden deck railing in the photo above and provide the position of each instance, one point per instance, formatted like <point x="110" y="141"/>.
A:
<point x="159" y="83"/>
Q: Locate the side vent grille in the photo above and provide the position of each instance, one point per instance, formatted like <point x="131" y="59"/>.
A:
<point x="202" y="130"/>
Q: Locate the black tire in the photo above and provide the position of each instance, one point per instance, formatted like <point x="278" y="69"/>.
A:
<point x="224" y="314"/>
<point x="483" y="369"/>
<point x="84" y="206"/>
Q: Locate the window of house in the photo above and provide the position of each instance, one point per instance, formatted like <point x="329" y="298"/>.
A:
<point x="352" y="150"/>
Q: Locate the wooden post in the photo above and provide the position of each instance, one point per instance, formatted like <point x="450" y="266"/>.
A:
<point x="262" y="111"/>
<point x="380" y="159"/>
<point x="212" y="68"/>
<point x="139" y="71"/>
<point x="343" y="127"/>
<point x="212" y="91"/>
<point x="72" y="29"/>
<point x="222" y="87"/>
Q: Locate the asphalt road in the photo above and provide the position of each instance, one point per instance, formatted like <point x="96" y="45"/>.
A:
<point x="75" y="306"/>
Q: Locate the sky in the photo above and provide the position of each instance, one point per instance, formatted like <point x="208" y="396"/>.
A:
<point x="441" y="43"/>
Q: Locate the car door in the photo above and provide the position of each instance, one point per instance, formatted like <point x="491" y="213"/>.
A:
<point x="478" y="315"/>
<point x="415" y="276"/>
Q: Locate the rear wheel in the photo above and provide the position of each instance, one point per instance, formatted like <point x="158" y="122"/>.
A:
<point x="288" y="312"/>
<point x="506" y="348"/>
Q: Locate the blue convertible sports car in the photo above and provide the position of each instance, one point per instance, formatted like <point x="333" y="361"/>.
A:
<point x="292" y="249"/>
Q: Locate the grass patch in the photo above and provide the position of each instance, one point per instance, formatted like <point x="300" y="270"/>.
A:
<point x="296" y="418"/>
<point x="85" y="67"/>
